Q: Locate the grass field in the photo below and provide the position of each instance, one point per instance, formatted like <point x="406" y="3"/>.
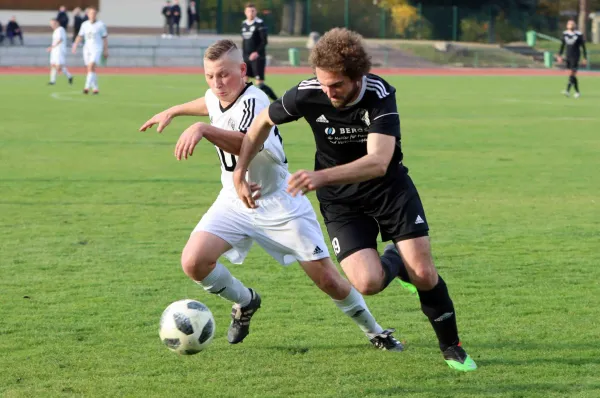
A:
<point x="93" y="216"/>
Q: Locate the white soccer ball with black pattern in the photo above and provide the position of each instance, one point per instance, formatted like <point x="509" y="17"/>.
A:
<point x="187" y="327"/>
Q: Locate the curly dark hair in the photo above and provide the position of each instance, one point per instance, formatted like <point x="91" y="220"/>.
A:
<point x="341" y="50"/>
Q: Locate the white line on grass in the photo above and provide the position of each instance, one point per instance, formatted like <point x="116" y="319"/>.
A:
<point x="68" y="96"/>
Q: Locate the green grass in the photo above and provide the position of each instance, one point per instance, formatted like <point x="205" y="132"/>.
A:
<point x="93" y="216"/>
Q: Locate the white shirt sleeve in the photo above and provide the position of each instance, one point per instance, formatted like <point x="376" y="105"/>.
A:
<point x="83" y="29"/>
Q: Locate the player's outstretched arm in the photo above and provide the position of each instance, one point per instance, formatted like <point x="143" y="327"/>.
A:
<point x="254" y="139"/>
<point x="228" y="140"/>
<point x="559" y="57"/>
<point x="380" y="149"/>
<point x="105" y="47"/>
<point x="196" y="107"/>
<point x="76" y="43"/>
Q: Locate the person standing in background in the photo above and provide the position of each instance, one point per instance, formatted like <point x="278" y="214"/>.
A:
<point x="13" y="29"/>
<point x="77" y="21"/>
<point x="254" y="43"/>
<point x="168" y="27"/>
<point x="62" y="17"/>
<point x="94" y="48"/>
<point x="176" y="11"/>
<point x="58" y="52"/>
<point x="192" y="16"/>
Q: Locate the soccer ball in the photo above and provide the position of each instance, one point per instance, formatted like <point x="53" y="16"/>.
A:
<point x="187" y="327"/>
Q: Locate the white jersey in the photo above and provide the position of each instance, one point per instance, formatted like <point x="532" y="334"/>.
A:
<point x="59" y="34"/>
<point x="93" y="33"/>
<point x="269" y="168"/>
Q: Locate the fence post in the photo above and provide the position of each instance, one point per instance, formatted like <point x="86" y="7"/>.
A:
<point x="219" y="24"/>
<point x="308" y="17"/>
<point x="454" y="23"/>
<point x="347" y="14"/>
<point x="420" y="19"/>
<point x="382" y="30"/>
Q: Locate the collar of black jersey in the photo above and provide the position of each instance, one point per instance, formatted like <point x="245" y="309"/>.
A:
<point x="223" y="110"/>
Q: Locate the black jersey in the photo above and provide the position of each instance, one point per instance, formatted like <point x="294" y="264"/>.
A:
<point x="573" y="40"/>
<point x="341" y="134"/>
<point x="254" y="37"/>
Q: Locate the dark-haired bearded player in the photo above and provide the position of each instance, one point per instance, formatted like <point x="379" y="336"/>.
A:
<point x="362" y="186"/>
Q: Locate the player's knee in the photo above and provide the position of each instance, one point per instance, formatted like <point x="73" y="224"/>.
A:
<point x="196" y="266"/>
<point x="368" y="286"/>
<point x="425" y="277"/>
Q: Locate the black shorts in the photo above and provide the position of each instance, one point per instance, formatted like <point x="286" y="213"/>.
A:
<point x="572" y="64"/>
<point x="396" y="212"/>
<point x="256" y="69"/>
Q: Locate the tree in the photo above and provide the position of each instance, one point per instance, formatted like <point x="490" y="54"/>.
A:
<point x="584" y="11"/>
<point x="299" y="17"/>
<point x="287" y="18"/>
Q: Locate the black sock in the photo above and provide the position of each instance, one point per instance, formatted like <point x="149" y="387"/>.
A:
<point x="267" y="90"/>
<point x="437" y="306"/>
<point x="575" y="84"/>
<point x="570" y="83"/>
<point x="393" y="266"/>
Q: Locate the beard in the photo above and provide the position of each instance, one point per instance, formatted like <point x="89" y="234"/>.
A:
<point x="341" y="103"/>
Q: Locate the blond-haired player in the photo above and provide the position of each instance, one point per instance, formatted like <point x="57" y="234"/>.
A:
<point x="96" y="46"/>
<point x="284" y="226"/>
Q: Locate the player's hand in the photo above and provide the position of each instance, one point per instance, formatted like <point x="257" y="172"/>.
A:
<point x="559" y="59"/>
<point x="105" y="54"/>
<point x="304" y="181"/>
<point x="188" y="140"/>
<point x="584" y="62"/>
<point x="253" y="56"/>
<point x="163" y="119"/>
<point x="247" y="192"/>
<point x="74" y="48"/>
<point x="49" y="49"/>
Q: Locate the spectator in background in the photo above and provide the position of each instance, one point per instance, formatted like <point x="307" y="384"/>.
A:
<point x="13" y="29"/>
<point x="77" y="21"/>
<point x="85" y="15"/>
<point x="166" y="12"/>
<point x="192" y="14"/>
<point x="62" y="17"/>
<point x="1" y="33"/>
<point x="176" y="11"/>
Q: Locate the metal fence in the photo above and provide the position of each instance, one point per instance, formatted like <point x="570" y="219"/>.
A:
<point x="368" y="17"/>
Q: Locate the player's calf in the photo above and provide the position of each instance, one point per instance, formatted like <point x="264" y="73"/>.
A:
<point x="199" y="261"/>
<point x="326" y="276"/>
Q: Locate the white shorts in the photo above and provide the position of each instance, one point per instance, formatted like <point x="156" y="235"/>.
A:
<point x="57" y="58"/>
<point x="91" y="55"/>
<point x="284" y="226"/>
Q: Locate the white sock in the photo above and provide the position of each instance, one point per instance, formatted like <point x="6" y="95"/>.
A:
<point x="88" y="80"/>
<point x="94" y="81"/>
<point x="65" y="71"/>
<point x="52" y="75"/>
<point x="221" y="282"/>
<point x="355" y="307"/>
